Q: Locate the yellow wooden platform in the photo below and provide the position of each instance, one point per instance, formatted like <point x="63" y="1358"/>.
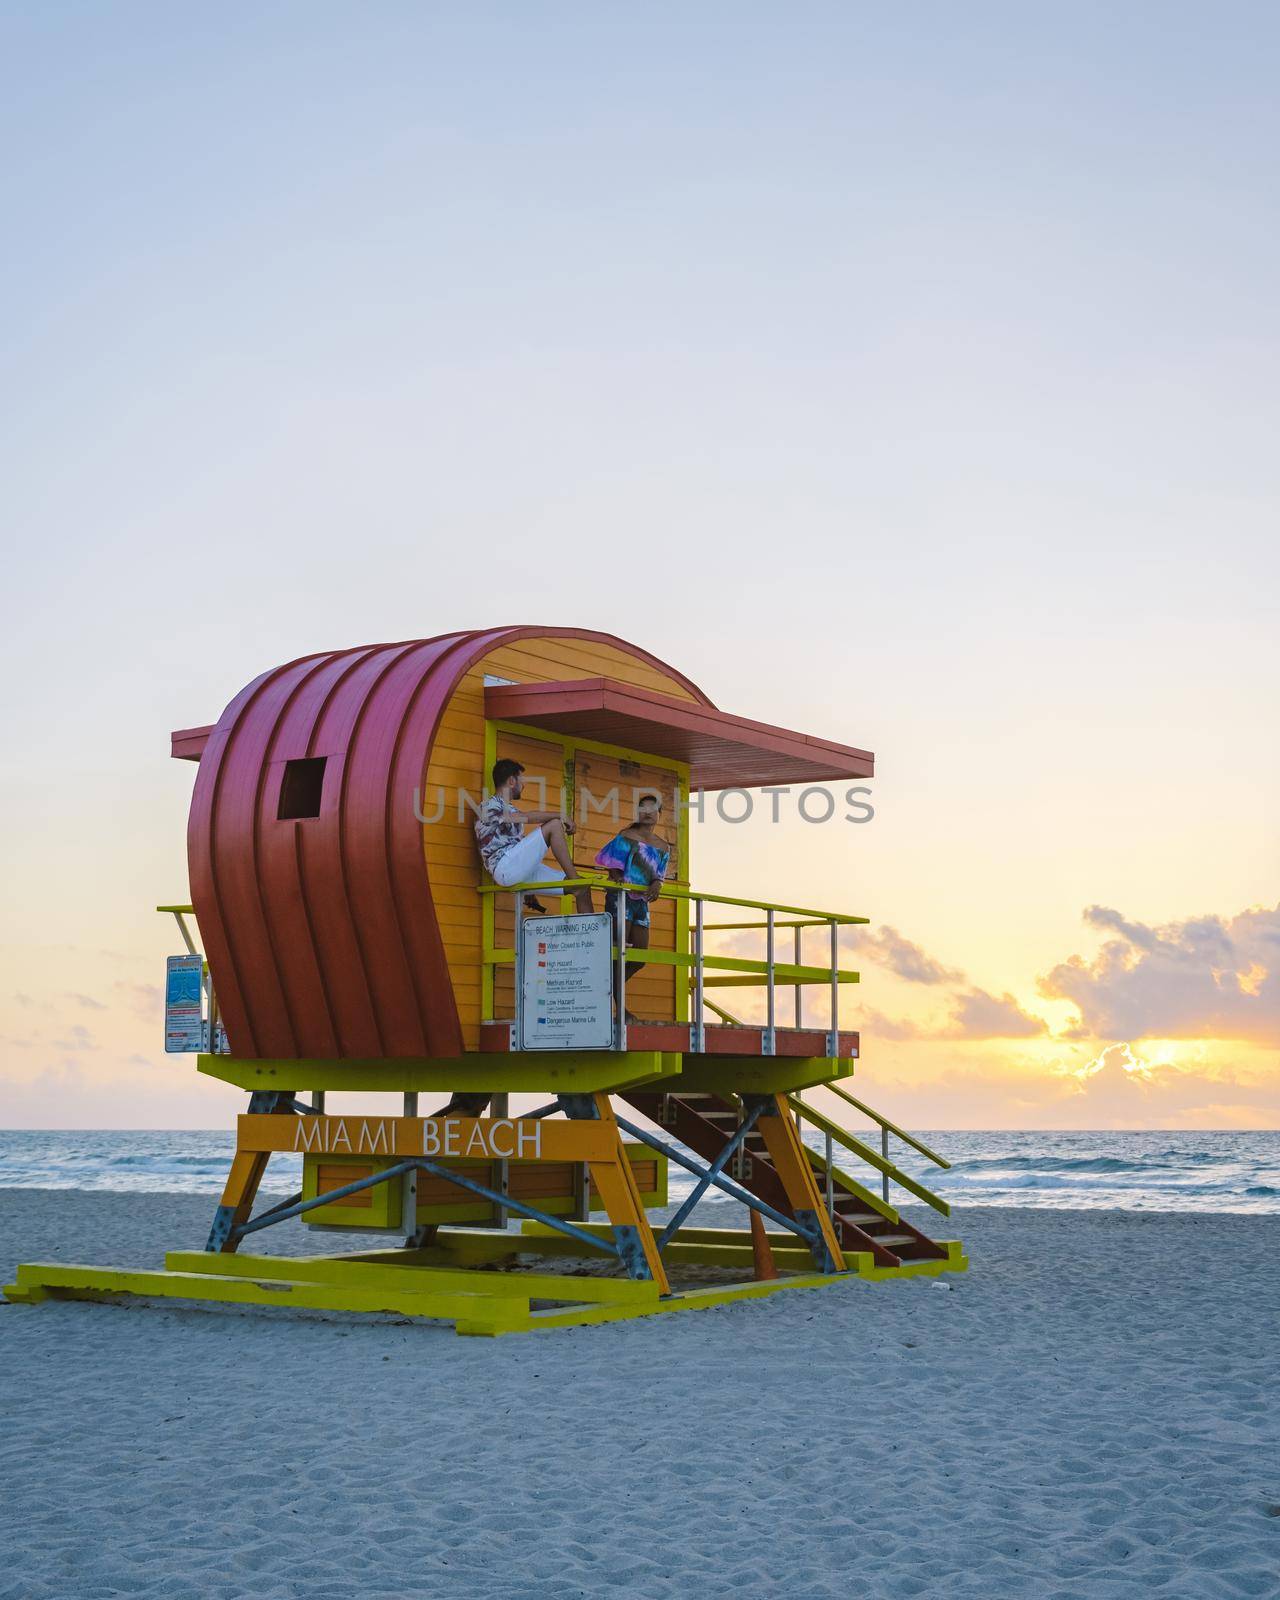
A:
<point x="454" y="1281"/>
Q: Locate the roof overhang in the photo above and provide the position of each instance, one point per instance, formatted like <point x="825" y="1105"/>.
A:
<point x="723" y="751"/>
<point x="187" y="744"/>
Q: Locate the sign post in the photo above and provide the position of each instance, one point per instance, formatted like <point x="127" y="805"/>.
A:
<point x="183" y="1004"/>
<point x="565" y="997"/>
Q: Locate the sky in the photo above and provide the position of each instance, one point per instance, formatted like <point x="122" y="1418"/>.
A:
<point x="903" y="375"/>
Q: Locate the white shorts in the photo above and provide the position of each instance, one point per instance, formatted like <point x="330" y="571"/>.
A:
<point x="523" y="863"/>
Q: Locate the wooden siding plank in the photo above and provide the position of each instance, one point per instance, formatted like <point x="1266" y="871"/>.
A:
<point x="457" y="761"/>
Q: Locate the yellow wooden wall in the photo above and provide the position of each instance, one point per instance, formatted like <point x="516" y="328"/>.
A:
<point x="544" y="778"/>
<point x="651" y="993"/>
<point x="457" y="762"/>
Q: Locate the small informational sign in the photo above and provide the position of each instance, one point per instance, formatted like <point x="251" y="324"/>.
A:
<point x="566" y="982"/>
<point x="183" y="1015"/>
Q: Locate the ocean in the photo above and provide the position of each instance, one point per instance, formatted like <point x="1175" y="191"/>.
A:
<point x="1149" y="1171"/>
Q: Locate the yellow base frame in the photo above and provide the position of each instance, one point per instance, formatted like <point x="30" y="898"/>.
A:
<point x="438" y="1284"/>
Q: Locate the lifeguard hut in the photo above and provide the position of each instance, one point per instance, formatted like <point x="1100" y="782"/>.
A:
<point x="342" y="936"/>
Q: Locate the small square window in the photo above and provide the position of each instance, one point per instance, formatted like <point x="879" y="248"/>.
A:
<point x="301" y="789"/>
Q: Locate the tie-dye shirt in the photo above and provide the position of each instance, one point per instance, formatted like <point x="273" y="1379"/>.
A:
<point x="629" y="858"/>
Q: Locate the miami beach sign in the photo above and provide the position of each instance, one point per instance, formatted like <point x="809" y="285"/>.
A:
<point x="476" y="1138"/>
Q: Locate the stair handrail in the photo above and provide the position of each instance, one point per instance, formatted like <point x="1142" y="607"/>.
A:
<point x="725" y="1016"/>
<point x="873" y="1158"/>
<point x="907" y="1138"/>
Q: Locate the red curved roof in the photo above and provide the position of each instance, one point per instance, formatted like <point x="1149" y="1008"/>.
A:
<point x="321" y="938"/>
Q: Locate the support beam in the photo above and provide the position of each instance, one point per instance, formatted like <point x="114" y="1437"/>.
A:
<point x="619" y="1193"/>
<point x="782" y="1141"/>
<point x="521" y="1072"/>
<point x="247" y="1169"/>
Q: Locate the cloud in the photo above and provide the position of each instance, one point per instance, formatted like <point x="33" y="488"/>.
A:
<point x="78" y="1038"/>
<point x="901" y="956"/>
<point x="1203" y="978"/>
<point x="979" y="1015"/>
<point x="86" y="1002"/>
<point x="1120" y="1089"/>
<point x="875" y="1025"/>
<point x="974" y="1014"/>
<point x="145" y="1000"/>
<point x="1120" y="1084"/>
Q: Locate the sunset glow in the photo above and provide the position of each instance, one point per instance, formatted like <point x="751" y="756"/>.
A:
<point x="987" y="489"/>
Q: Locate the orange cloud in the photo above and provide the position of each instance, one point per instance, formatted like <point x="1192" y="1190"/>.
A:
<point x="1118" y="1089"/>
<point x="901" y="956"/>
<point x="975" y="1014"/>
<point x="1204" y="978"/>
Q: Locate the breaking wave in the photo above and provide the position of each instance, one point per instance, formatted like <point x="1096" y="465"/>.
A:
<point x="1131" y="1171"/>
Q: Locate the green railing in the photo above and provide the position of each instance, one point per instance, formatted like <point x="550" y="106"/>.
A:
<point x="707" y="969"/>
<point x="879" y="1160"/>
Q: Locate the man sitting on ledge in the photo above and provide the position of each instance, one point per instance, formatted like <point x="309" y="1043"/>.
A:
<point x="512" y="856"/>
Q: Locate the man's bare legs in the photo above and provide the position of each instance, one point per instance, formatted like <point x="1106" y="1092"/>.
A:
<point x="554" y="833"/>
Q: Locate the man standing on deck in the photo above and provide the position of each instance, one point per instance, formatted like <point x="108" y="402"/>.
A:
<point x="636" y="856"/>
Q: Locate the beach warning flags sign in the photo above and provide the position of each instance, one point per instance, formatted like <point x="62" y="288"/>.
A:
<point x="565" y="989"/>
<point x="183" y="1004"/>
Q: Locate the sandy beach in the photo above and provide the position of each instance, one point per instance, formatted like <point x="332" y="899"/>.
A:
<point x="1089" y="1413"/>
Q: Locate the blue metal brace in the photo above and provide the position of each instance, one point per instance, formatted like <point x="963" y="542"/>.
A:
<point x="298" y="1207"/>
<point x="709" y="1176"/>
<point x="519" y="1207"/>
<point x="579" y="1107"/>
<point x="732" y="1189"/>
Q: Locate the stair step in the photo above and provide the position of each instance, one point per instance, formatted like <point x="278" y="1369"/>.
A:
<point x="717" y="1119"/>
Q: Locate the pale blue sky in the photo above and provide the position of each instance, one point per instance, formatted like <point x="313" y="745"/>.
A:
<point x="906" y="375"/>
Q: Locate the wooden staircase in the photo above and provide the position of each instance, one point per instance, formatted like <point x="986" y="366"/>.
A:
<point x="863" y="1221"/>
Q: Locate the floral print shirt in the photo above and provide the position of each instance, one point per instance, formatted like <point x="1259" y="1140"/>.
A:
<point x="498" y="827"/>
